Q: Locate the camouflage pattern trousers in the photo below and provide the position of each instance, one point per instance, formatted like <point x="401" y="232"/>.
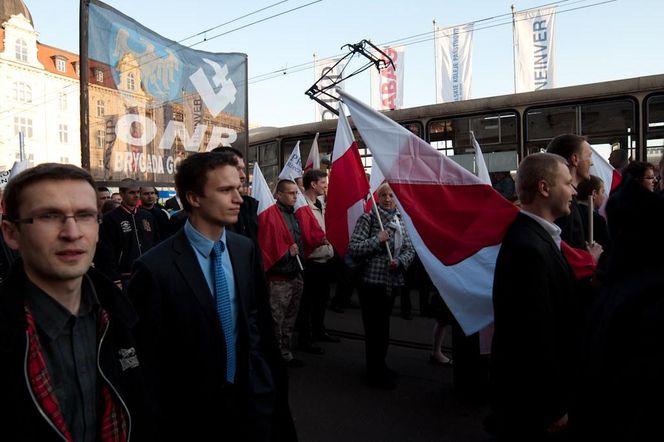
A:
<point x="285" y="299"/>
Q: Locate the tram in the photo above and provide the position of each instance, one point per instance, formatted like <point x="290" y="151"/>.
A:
<point x="622" y="114"/>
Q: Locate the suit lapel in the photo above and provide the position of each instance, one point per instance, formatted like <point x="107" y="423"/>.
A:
<point x="187" y="263"/>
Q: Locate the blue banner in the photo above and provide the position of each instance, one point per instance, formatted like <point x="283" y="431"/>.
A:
<point x="154" y="101"/>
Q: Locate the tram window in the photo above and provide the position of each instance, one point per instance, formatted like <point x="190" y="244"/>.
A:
<point x="607" y="118"/>
<point x="496" y="134"/>
<point x="655" y="129"/>
<point x="546" y="123"/>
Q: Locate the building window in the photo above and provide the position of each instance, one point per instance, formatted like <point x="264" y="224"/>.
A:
<point x="60" y="65"/>
<point x="64" y="160"/>
<point x="131" y="82"/>
<point x="63" y="101"/>
<point x="99" y="75"/>
<point x="64" y="134"/>
<point x="22" y="92"/>
<point x="22" y="124"/>
<point x="101" y="108"/>
<point x="77" y="68"/>
<point x="21" y="50"/>
<point x="101" y="138"/>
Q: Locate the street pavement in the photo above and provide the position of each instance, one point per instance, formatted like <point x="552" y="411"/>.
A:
<point x="331" y="402"/>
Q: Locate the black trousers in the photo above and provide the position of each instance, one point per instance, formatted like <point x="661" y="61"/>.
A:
<point x="316" y="295"/>
<point x="376" y="305"/>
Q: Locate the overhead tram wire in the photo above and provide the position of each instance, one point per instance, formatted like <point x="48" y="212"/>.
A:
<point x="305" y="66"/>
<point x="45" y="98"/>
<point x="403" y="39"/>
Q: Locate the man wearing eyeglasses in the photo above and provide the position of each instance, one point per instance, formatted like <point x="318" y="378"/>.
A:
<point x="70" y="367"/>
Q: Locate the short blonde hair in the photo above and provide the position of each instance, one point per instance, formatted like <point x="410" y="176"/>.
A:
<point x="533" y="169"/>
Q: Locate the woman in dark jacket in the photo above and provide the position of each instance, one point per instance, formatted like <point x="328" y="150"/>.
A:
<point x="382" y="274"/>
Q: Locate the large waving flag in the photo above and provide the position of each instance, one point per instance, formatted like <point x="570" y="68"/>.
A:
<point x="611" y="177"/>
<point x="274" y="238"/>
<point x="313" y="160"/>
<point x="347" y="188"/>
<point x="293" y="167"/>
<point x="456" y="222"/>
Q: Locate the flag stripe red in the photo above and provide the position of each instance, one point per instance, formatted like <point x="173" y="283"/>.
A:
<point x="274" y="238"/>
<point x="456" y="221"/>
<point x="347" y="185"/>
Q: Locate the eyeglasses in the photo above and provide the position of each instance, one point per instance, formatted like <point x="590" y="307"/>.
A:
<point x="55" y="219"/>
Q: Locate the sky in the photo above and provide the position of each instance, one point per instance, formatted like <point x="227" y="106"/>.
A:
<point x="620" y="39"/>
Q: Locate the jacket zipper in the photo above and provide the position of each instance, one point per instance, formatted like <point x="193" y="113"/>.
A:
<point x="32" y="394"/>
<point x="101" y="341"/>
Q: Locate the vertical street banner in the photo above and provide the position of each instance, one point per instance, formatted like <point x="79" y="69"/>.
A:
<point x="154" y="101"/>
<point x="454" y="63"/>
<point x="326" y="69"/>
<point x="387" y="85"/>
<point x="534" y="64"/>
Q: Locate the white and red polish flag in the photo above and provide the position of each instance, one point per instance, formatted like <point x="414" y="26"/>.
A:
<point x="375" y="180"/>
<point x="611" y="177"/>
<point x="313" y="160"/>
<point x="347" y="188"/>
<point x="274" y="238"/>
<point x="482" y="172"/>
<point x="313" y="234"/>
<point x="456" y="221"/>
<point x="293" y="167"/>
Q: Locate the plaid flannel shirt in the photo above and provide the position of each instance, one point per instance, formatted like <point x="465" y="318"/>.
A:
<point x="365" y="247"/>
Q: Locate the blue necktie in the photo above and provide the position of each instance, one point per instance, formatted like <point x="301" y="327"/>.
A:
<point x="224" y="308"/>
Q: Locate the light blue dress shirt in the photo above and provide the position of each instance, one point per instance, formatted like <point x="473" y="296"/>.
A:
<point x="202" y="249"/>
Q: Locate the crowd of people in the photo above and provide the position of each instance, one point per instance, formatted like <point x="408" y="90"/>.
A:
<point x="130" y="320"/>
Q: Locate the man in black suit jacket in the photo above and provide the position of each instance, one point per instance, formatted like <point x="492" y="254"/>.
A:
<point x="532" y="355"/>
<point x="173" y="290"/>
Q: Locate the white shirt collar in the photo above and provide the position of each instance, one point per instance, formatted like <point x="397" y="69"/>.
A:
<point x="550" y="227"/>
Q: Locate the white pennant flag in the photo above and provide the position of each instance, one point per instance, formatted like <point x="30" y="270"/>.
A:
<point x="535" y="67"/>
<point x="454" y="63"/>
<point x="387" y="84"/>
<point x="313" y="160"/>
<point x="293" y="167"/>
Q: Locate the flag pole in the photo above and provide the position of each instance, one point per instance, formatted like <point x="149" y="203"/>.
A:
<point x="380" y="223"/>
<point x="514" y="43"/>
<point x="83" y="83"/>
<point x="435" y="60"/>
<point x="591" y="235"/>
<point x="299" y="262"/>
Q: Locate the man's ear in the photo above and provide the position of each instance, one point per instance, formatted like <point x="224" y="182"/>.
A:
<point x="193" y="199"/>
<point x="11" y="234"/>
<point x="574" y="160"/>
<point x="543" y="188"/>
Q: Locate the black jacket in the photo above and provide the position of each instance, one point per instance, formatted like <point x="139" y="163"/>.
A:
<point x="247" y="221"/>
<point x="124" y="236"/>
<point x="21" y="418"/>
<point x="180" y="327"/>
<point x="533" y="351"/>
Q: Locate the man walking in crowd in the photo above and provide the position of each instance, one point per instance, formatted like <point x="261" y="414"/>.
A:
<point x="70" y="367"/>
<point x="578" y="154"/>
<point x="285" y="276"/>
<point x="149" y="197"/>
<point x="103" y="194"/>
<point x="247" y="221"/>
<point x="215" y="366"/>
<point x="317" y="272"/>
<point x="125" y="234"/>
<point x="533" y="351"/>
